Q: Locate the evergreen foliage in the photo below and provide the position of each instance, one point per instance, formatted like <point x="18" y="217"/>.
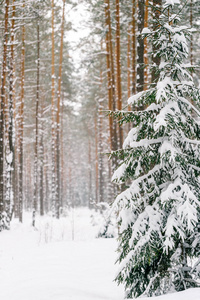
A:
<point x="159" y="213"/>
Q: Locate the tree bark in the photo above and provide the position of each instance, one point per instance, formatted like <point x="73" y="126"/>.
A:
<point x="140" y="48"/>
<point x="133" y="34"/>
<point x="191" y="37"/>
<point x="36" y="156"/>
<point x="21" y="125"/>
<point x="53" y="125"/>
<point x="118" y="64"/>
<point x="21" y="129"/>
<point x="146" y="46"/>
<point x="110" y="77"/>
<point x="3" y="95"/>
<point x="11" y="110"/>
<point x="58" y="194"/>
<point x="96" y="161"/>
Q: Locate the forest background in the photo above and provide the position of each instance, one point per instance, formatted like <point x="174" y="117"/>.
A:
<point x="55" y="132"/>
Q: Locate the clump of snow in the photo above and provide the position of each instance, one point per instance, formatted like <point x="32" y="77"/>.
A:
<point x="171" y="2"/>
<point x="9" y="157"/>
<point x="146" y="30"/>
<point x="134" y="98"/>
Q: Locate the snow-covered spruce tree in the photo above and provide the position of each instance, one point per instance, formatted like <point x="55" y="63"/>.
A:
<point x="159" y="213"/>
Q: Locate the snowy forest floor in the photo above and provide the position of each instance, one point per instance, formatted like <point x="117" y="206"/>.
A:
<point x="62" y="260"/>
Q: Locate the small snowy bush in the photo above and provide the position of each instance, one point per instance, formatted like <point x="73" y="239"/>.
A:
<point x="104" y="220"/>
<point x="159" y="214"/>
<point x="108" y="226"/>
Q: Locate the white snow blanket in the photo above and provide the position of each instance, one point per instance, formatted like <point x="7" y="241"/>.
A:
<point x="46" y="264"/>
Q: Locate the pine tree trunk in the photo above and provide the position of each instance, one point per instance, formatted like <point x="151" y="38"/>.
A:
<point x="53" y="168"/>
<point x="129" y="62"/>
<point x="100" y="143"/>
<point x="11" y="109"/>
<point x="118" y="64"/>
<point x="8" y="115"/>
<point x="191" y="37"/>
<point x="35" y="200"/>
<point x="41" y="181"/>
<point x="58" y="117"/>
<point x="90" y="172"/>
<point x="133" y="34"/>
<point x="146" y="46"/>
<point x="140" y="48"/>
<point x="63" y="185"/>
<point x="3" y="95"/>
<point x="100" y="160"/>
<point x="21" y="123"/>
<point x="96" y="162"/>
<point x="110" y="78"/>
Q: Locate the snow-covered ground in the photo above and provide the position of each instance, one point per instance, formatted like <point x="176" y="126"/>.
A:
<point x="62" y="260"/>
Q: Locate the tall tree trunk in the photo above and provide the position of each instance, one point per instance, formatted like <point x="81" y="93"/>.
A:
<point x="90" y="172"/>
<point x="58" y="116"/>
<point x="3" y="92"/>
<point x="11" y="109"/>
<point x="8" y="115"/>
<point x="100" y="141"/>
<point x="110" y="80"/>
<point x="36" y="156"/>
<point x="191" y="38"/>
<point x="41" y="165"/>
<point x="100" y="156"/>
<point x="53" y="126"/>
<point x="118" y="64"/>
<point x="21" y="125"/>
<point x="146" y="46"/>
<point x="133" y="34"/>
<point x="129" y="62"/>
<point x="96" y="161"/>
<point x="140" y="48"/>
<point x="63" y="185"/>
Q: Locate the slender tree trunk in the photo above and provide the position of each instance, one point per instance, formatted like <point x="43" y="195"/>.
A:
<point x="21" y="125"/>
<point x="11" y="109"/>
<point x="90" y="172"/>
<point x="53" y="127"/>
<point x="16" y="161"/>
<point x="191" y="38"/>
<point x="96" y="161"/>
<point x="3" y="95"/>
<point x="100" y="142"/>
<point x="129" y="62"/>
<point x="110" y="76"/>
<point x="58" y="117"/>
<point x="36" y="160"/>
<point x="146" y="46"/>
<point x="62" y="156"/>
<point x="41" y="166"/>
<point x="140" y="48"/>
<point x="118" y="64"/>
<point x="100" y="160"/>
<point x="129" y="70"/>
<point x="9" y="140"/>
<point x="133" y="34"/>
